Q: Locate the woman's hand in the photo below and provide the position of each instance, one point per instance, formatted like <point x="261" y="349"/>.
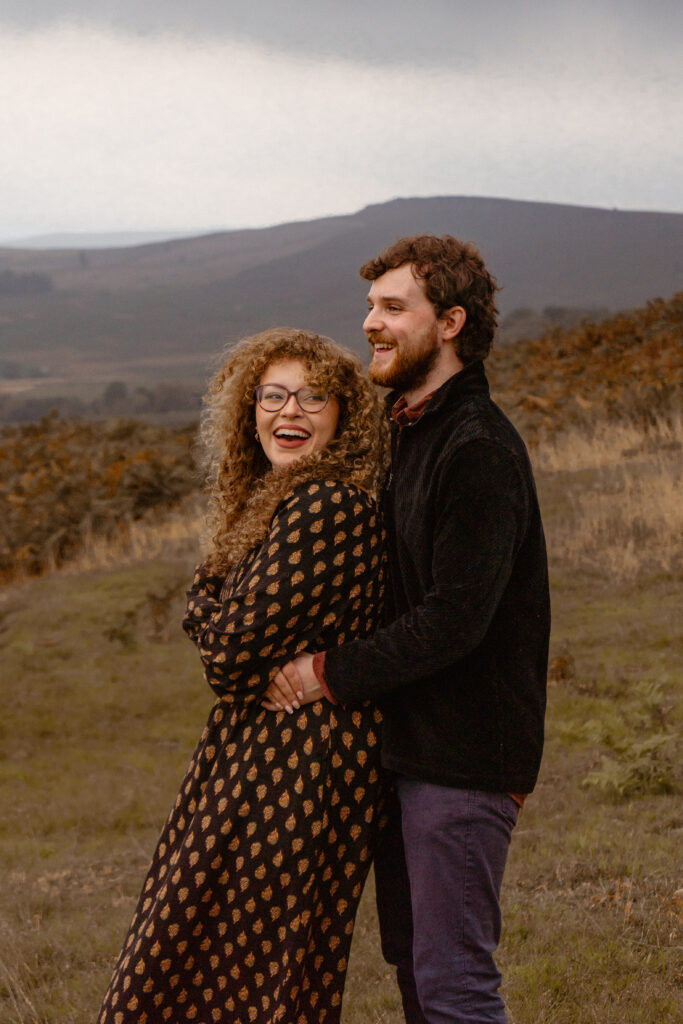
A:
<point x="294" y="684"/>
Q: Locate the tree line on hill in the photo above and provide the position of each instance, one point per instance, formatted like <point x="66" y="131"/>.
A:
<point x="121" y="398"/>
<point x="117" y="399"/>
<point x="29" y="283"/>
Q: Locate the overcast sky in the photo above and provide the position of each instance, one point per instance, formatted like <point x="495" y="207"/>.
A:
<point x="204" y="114"/>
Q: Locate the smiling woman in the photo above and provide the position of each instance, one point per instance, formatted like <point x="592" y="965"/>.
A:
<point x="249" y="472"/>
<point x="248" y="908"/>
<point x="293" y="419"/>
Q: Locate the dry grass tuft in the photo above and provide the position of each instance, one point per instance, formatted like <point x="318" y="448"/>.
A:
<point x="608" y="443"/>
<point x="178" y="533"/>
<point x="620" y="512"/>
<point x="15" y="983"/>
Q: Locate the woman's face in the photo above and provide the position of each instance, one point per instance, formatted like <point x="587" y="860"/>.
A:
<point x="291" y="432"/>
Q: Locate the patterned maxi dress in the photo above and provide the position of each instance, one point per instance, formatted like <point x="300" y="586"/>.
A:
<point x="248" y="908"/>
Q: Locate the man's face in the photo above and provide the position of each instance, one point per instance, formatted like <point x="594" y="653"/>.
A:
<point x="403" y="329"/>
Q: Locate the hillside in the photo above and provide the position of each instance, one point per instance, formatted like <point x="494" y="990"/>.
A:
<point x="65" y="481"/>
<point x="92" y="239"/>
<point x="159" y="309"/>
<point x="629" y="366"/>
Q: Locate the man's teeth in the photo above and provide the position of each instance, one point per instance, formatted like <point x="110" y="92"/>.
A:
<point x="383" y="348"/>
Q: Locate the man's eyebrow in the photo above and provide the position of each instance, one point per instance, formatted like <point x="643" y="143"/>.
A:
<point x="386" y="298"/>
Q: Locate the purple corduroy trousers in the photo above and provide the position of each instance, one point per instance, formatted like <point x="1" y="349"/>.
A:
<point x="438" y="874"/>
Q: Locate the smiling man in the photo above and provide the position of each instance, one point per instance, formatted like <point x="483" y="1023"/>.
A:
<point x="406" y="336"/>
<point x="459" y="668"/>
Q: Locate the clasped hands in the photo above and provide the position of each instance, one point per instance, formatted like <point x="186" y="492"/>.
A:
<point x="294" y="684"/>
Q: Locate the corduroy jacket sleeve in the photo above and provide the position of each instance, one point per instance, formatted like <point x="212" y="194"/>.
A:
<point x="482" y="505"/>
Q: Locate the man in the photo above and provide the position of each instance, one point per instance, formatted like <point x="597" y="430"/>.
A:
<point x="459" y="670"/>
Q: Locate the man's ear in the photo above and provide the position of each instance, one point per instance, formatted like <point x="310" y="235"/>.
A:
<point x="453" y="321"/>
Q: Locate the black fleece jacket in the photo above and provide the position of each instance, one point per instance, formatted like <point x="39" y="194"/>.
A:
<point x="459" y="670"/>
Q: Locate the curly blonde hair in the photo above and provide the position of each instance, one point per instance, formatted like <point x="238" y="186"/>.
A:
<point x="244" y="489"/>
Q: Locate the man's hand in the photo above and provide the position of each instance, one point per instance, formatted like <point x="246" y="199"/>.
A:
<point x="295" y="684"/>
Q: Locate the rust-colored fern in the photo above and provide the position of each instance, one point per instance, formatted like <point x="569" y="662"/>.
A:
<point x="61" y="480"/>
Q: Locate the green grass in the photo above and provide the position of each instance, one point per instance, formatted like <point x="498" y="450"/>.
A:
<point x="103" y="701"/>
<point x="591" y="915"/>
<point x="100" y="718"/>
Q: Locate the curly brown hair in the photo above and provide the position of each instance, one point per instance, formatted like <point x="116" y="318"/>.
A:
<point x="244" y="489"/>
<point x="453" y="274"/>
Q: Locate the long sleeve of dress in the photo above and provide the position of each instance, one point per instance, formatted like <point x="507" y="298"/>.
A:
<point x="302" y="589"/>
<point x="203" y="599"/>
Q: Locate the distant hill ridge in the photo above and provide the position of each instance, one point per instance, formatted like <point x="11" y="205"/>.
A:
<point x="193" y="295"/>
<point x="94" y="239"/>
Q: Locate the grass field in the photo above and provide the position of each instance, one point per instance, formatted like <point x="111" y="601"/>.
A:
<point x="103" y="702"/>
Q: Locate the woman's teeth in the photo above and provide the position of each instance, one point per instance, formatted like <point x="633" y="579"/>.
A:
<point x="292" y="433"/>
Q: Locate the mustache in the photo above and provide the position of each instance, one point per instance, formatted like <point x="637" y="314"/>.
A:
<point x="377" y="338"/>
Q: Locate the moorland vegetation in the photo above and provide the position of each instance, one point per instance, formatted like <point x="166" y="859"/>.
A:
<point x="67" y="483"/>
<point x="104" y="700"/>
<point x="625" y="368"/>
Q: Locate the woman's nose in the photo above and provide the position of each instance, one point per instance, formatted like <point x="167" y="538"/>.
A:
<point x="291" y="406"/>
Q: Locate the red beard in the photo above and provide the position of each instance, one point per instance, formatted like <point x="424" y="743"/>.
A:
<point x="409" y="367"/>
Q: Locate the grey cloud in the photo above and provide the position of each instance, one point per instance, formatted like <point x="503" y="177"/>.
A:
<point x="440" y="33"/>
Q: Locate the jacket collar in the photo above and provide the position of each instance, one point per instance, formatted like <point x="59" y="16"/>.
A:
<point x="470" y="381"/>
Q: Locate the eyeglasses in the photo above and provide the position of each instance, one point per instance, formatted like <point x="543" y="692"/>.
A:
<point x="273" y="397"/>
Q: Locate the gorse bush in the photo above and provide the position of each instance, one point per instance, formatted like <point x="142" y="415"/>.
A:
<point x="64" y="481"/>
<point x="628" y="367"/>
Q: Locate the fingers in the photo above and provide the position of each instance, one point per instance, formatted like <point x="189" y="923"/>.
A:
<point x="281" y="692"/>
<point x="289" y="684"/>
<point x="291" y="673"/>
<point x="272" y="696"/>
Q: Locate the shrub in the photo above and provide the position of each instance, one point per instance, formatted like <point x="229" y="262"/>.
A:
<point x="62" y="482"/>
<point x="641" y="754"/>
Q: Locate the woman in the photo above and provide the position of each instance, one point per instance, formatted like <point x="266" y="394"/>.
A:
<point x="248" y="908"/>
